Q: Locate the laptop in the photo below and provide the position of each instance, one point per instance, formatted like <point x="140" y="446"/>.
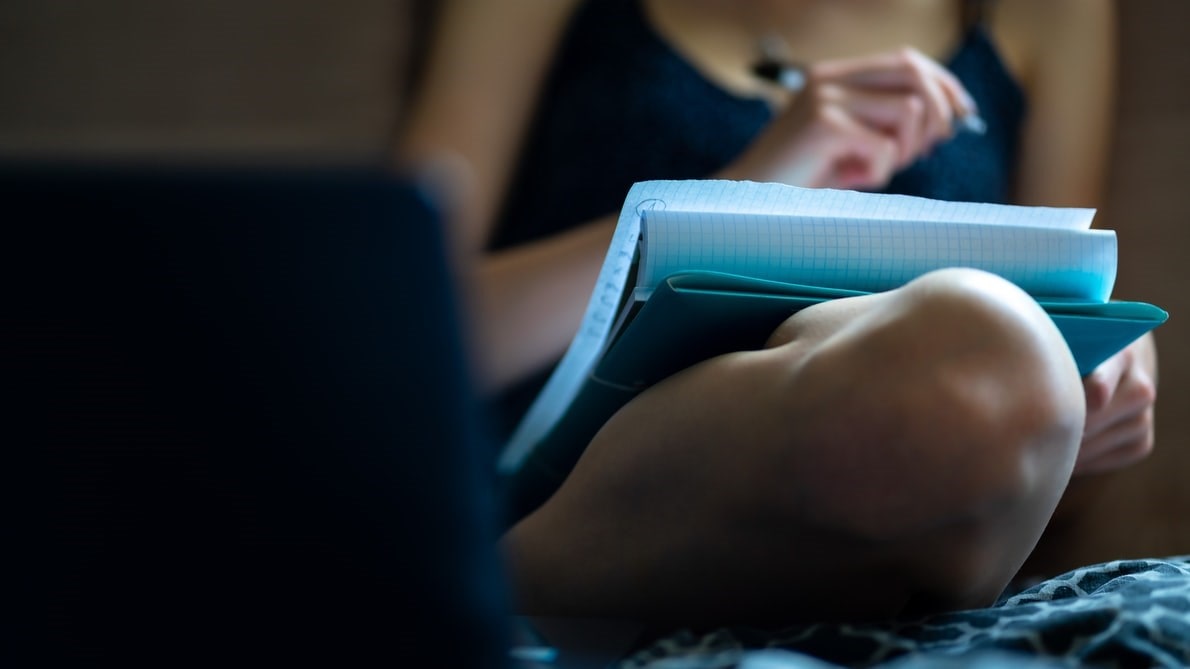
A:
<point x="240" y="422"/>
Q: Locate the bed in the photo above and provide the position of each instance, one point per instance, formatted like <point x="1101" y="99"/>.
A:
<point x="1127" y="613"/>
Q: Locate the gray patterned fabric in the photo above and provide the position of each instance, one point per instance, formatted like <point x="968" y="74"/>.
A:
<point x="1129" y="613"/>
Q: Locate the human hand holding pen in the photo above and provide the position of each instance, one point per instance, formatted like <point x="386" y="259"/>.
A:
<point x="856" y="121"/>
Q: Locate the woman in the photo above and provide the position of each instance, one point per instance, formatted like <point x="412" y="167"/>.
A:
<point x="693" y="504"/>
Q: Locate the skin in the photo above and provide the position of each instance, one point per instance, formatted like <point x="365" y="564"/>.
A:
<point x="872" y="106"/>
<point x="824" y="503"/>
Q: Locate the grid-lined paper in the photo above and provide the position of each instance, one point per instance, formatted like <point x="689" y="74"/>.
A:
<point x="738" y="197"/>
<point x="874" y="255"/>
<point x="745" y="197"/>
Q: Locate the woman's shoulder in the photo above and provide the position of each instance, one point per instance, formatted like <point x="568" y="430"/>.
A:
<point x="1029" y="33"/>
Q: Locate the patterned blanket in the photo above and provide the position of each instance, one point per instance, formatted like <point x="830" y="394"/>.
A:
<point x="1131" y="613"/>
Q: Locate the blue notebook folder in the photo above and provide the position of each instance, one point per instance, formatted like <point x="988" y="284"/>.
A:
<point x="718" y="313"/>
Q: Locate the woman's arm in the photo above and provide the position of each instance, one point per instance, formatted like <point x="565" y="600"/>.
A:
<point x="478" y="92"/>
<point x="485" y="66"/>
<point x="1065" y="55"/>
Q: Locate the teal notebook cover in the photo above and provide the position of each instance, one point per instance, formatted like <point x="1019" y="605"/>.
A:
<point x="712" y="313"/>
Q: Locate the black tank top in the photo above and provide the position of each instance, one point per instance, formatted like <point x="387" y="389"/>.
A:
<point x="621" y="106"/>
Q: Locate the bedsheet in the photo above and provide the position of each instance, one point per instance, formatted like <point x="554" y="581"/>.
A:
<point x="1127" y="613"/>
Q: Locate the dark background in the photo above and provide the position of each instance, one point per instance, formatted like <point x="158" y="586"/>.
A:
<point x="311" y="81"/>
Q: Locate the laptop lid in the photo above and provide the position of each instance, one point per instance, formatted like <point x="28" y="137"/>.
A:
<point x="245" y="397"/>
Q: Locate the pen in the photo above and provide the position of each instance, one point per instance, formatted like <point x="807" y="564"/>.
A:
<point x="787" y="76"/>
<point x="793" y="78"/>
<point x="535" y="654"/>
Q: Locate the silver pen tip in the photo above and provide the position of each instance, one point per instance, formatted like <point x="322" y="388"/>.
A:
<point x="972" y="123"/>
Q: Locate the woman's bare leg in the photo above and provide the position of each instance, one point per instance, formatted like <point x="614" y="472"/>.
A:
<point x="888" y="454"/>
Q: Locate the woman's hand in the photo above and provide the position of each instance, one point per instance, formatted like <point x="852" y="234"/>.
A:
<point x="857" y="122"/>
<point x="1121" y="393"/>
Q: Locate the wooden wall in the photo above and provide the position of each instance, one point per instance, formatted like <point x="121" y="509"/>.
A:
<point x="268" y="79"/>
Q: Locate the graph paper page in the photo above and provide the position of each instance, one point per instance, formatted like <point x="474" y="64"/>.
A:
<point x="874" y="255"/>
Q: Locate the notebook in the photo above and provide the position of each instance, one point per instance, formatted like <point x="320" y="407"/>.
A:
<point x="698" y="268"/>
<point x="240" y="423"/>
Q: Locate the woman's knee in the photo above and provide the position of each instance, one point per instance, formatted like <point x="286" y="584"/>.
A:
<point x="937" y="424"/>
<point x="1000" y="356"/>
<point x="925" y="434"/>
<point x="953" y="395"/>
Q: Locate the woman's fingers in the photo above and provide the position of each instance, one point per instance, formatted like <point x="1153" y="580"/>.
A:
<point x="857" y="153"/>
<point x="1121" y="394"/>
<point x="899" y="116"/>
<point x="819" y="142"/>
<point x="1128" y="441"/>
<point x="856" y="123"/>
<point x="1119" y="387"/>
<point x="1100" y="385"/>
<point x="905" y="70"/>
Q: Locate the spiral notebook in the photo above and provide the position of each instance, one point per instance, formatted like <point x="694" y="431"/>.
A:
<point x="717" y="265"/>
